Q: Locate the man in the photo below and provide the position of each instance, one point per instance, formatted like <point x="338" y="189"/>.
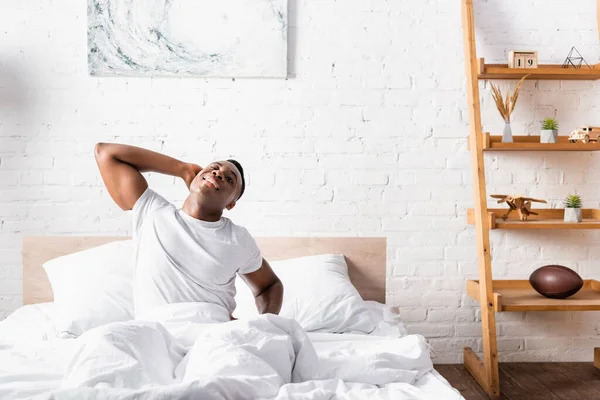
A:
<point x="193" y="253"/>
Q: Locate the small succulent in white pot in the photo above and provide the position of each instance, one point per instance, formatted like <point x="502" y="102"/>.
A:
<point x="549" y="132"/>
<point x="573" y="208"/>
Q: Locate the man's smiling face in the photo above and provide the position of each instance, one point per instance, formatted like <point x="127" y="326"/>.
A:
<point x="218" y="185"/>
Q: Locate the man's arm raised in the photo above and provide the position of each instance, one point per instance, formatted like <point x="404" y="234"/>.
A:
<point x="121" y="168"/>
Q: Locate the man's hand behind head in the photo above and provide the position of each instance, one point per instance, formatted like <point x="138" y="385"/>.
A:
<point x="189" y="173"/>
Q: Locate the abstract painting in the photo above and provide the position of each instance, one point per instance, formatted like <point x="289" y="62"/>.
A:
<point x="204" y="38"/>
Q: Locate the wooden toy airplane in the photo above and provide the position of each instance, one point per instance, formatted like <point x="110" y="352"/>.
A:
<point x="519" y="203"/>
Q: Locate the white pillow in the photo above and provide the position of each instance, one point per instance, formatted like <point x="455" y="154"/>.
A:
<point x="92" y="287"/>
<point x="317" y="292"/>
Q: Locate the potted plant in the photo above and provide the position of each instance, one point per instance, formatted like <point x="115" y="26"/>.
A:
<point x="549" y="132"/>
<point x="506" y="106"/>
<point x="573" y="208"/>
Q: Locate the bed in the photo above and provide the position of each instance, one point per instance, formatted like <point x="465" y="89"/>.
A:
<point x="386" y="363"/>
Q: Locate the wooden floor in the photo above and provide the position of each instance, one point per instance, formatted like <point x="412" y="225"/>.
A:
<point x="531" y="381"/>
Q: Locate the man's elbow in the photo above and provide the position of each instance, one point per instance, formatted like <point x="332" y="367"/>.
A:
<point x="103" y="151"/>
<point x="277" y="283"/>
<point x="274" y="288"/>
<point x="99" y="150"/>
<point x="271" y="298"/>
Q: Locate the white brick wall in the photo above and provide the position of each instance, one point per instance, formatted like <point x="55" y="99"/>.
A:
<point x="366" y="137"/>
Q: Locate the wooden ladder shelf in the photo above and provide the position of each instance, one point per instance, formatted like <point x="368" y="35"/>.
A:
<point x="512" y="295"/>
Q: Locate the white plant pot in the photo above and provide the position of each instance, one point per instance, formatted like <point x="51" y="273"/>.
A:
<point x="572" y="214"/>
<point x="548" y="136"/>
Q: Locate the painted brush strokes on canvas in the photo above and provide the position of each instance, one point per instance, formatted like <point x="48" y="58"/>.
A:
<point x="204" y="38"/>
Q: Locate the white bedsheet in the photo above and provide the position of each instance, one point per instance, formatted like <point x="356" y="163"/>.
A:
<point x="231" y="360"/>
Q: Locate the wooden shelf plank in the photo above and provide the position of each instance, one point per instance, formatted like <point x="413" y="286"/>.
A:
<point x="532" y="143"/>
<point x="548" y="71"/>
<point x="518" y="295"/>
<point x="547" y="219"/>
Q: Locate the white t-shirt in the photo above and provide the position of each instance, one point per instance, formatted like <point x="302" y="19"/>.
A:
<point x="180" y="259"/>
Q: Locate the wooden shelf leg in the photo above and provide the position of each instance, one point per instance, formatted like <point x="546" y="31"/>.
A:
<point x="597" y="357"/>
<point x="475" y="366"/>
<point x="477" y="369"/>
<point x="486" y="372"/>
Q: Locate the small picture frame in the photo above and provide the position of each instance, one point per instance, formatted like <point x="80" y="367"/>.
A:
<point x="522" y="59"/>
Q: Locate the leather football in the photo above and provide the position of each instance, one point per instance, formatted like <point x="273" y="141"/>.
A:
<point x="556" y="281"/>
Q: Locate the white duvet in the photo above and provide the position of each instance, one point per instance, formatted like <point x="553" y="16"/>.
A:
<point x="267" y="357"/>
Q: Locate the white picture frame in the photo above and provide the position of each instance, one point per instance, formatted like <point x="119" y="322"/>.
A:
<point x="195" y="38"/>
